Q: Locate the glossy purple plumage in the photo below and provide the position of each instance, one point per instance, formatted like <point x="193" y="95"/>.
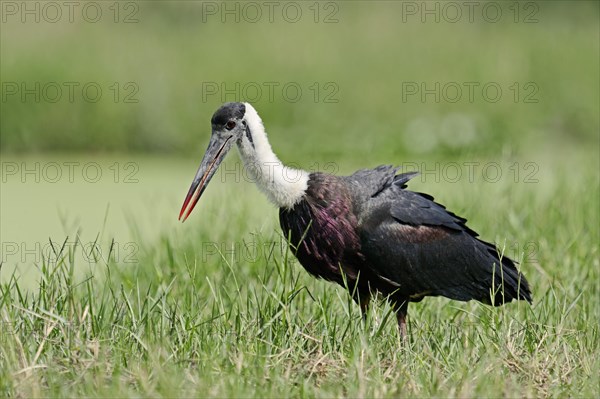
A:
<point x="369" y="230"/>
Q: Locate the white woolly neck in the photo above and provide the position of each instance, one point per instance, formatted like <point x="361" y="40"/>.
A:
<point x="284" y="186"/>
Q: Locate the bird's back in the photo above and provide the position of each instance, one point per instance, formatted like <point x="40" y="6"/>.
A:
<point x="408" y="238"/>
<point x="383" y="237"/>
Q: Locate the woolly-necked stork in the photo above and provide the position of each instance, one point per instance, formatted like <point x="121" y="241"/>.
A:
<point x="365" y="231"/>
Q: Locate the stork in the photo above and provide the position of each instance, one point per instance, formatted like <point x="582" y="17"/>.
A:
<point x="365" y="231"/>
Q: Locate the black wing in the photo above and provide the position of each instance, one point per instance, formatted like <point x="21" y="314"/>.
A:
<point x="423" y="249"/>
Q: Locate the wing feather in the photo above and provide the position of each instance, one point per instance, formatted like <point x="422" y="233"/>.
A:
<point x="424" y="249"/>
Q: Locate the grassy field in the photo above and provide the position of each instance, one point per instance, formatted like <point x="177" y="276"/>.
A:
<point x="218" y="307"/>
<point x="121" y="300"/>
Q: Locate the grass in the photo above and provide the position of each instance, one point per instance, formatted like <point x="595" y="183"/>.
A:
<point x="218" y="307"/>
<point x="222" y="309"/>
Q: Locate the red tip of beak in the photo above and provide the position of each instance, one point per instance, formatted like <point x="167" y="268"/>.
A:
<point x="187" y="201"/>
<point x="185" y="204"/>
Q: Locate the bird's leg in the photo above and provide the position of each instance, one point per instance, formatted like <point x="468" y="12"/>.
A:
<point x="402" y="324"/>
<point x="364" y="302"/>
<point x="401" y="307"/>
<point x="362" y="299"/>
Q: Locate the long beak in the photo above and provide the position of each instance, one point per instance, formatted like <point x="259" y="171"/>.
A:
<point x="216" y="151"/>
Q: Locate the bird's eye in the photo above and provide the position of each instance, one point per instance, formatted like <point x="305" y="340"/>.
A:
<point x="230" y="125"/>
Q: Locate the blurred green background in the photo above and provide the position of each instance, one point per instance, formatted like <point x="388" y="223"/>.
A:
<point x="163" y="68"/>
<point x="177" y="51"/>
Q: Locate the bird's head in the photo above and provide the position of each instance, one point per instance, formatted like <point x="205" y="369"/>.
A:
<point x="230" y="124"/>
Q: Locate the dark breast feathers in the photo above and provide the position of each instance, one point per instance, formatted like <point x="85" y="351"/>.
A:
<point x="369" y="230"/>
